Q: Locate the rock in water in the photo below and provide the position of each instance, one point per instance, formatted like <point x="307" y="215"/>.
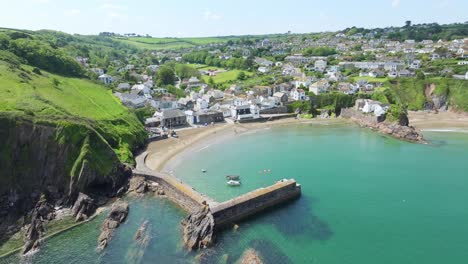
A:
<point x="117" y="215"/>
<point x="251" y="256"/>
<point x="141" y="231"/>
<point x="198" y="229"/>
<point x="83" y="208"/>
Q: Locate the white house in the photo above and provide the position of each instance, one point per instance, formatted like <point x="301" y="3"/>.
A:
<point x="298" y="94"/>
<point x="244" y="112"/>
<point x="319" y="87"/>
<point x="320" y="65"/>
<point x="106" y="79"/>
<point x="264" y="69"/>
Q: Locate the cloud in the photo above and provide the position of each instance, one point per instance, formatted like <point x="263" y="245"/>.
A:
<point x="396" y="3"/>
<point x="211" y="16"/>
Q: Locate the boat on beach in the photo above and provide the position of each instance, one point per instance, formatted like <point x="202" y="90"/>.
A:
<point x="233" y="183"/>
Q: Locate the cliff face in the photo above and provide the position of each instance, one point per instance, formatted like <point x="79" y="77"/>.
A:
<point x="57" y="159"/>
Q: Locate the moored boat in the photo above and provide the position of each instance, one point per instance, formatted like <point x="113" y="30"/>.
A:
<point x="233" y="183"/>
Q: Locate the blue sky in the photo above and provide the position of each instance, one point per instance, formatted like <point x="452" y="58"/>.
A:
<point x="177" y="18"/>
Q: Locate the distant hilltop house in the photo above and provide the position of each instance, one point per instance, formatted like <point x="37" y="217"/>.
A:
<point x="131" y="100"/>
<point x="123" y="86"/>
<point x="106" y="79"/>
<point x="98" y="71"/>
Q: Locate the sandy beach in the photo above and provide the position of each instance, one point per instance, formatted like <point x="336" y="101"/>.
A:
<point x="164" y="155"/>
<point x="443" y="121"/>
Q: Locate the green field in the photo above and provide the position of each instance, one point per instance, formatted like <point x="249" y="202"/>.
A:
<point x="370" y="79"/>
<point x="225" y="76"/>
<point x="172" y="43"/>
<point x="73" y="100"/>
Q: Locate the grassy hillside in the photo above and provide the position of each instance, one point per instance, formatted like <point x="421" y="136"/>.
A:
<point x="50" y="97"/>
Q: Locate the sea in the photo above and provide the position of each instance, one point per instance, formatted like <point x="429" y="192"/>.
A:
<point x="366" y="198"/>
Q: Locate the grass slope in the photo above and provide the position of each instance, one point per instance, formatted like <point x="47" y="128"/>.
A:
<point x="73" y="101"/>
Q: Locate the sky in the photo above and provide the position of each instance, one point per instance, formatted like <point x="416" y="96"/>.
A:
<point x="197" y="18"/>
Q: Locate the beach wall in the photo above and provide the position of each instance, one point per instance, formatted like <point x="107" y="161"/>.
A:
<point x="276" y="110"/>
<point x="181" y="193"/>
<point x="353" y="113"/>
<point x="254" y="202"/>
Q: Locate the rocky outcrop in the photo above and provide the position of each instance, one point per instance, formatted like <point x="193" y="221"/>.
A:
<point x="42" y="213"/>
<point x="117" y="215"/>
<point x="83" y="208"/>
<point x="407" y="133"/>
<point x="138" y="185"/>
<point x="435" y="102"/>
<point x="400" y="129"/>
<point x="250" y="256"/>
<point x="198" y="229"/>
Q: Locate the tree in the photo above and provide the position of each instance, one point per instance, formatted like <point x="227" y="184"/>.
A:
<point x="407" y="23"/>
<point x="211" y="82"/>
<point x="165" y="76"/>
<point x="241" y="76"/>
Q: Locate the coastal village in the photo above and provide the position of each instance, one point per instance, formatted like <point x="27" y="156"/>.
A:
<point x="270" y="78"/>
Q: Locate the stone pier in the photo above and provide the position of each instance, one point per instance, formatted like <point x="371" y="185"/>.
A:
<point x="227" y="212"/>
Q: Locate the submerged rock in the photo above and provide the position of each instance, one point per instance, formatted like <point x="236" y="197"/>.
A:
<point x="198" y="229"/>
<point x="250" y="256"/>
<point x="117" y="215"/>
<point x="83" y="208"/>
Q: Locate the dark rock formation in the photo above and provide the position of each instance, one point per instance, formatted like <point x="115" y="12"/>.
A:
<point x="83" y="208"/>
<point x="117" y="215"/>
<point x="33" y="235"/>
<point x="54" y="160"/>
<point x="198" y="229"/>
<point x="400" y="129"/>
<point x="42" y="213"/>
<point x="251" y="256"/>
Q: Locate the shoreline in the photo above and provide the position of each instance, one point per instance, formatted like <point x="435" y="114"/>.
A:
<point x="165" y="155"/>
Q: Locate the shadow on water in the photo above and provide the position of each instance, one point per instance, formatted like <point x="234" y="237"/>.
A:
<point x="295" y="218"/>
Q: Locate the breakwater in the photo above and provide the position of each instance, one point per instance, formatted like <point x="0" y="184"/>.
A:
<point x="227" y="212"/>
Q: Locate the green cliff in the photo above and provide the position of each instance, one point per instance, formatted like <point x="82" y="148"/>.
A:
<point x="59" y="136"/>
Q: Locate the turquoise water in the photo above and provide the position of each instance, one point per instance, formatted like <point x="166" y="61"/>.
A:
<point x="366" y="199"/>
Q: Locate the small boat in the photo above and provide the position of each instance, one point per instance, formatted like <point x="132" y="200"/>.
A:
<point x="233" y="183"/>
<point x="233" y="177"/>
<point x="203" y="170"/>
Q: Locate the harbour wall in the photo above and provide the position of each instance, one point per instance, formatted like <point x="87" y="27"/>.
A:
<point x="227" y="212"/>
<point x="249" y="204"/>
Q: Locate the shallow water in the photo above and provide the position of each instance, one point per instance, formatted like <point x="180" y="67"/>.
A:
<point x="366" y="198"/>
